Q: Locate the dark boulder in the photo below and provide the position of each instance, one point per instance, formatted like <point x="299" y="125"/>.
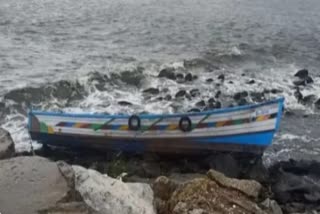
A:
<point x="221" y="77"/>
<point x="218" y="105"/>
<point x="250" y="82"/>
<point x="230" y="82"/>
<point x="188" y="77"/>
<point x="195" y="77"/>
<point x="239" y="95"/>
<point x="180" y="93"/>
<point x="131" y="77"/>
<point x="179" y="76"/>
<point x="7" y="149"/>
<point x="275" y="91"/>
<point x="201" y="103"/>
<point x="209" y="80"/>
<point x="302" y="73"/>
<point x="188" y="96"/>
<point x="168" y="97"/>
<point x="266" y="91"/>
<point x="153" y="91"/>
<point x="210" y="106"/>
<point x="257" y="96"/>
<point x="317" y="104"/>
<point x="194" y="92"/>
<point x="194" y="110"/>
<point x="309" y="80"/>
<point x="217" y="95"/>
<point x="124" y="103"/>
<point x="211" y="100"/>
<point x="309" y="99"/>
<point x="167" y="73"/>
<point x="296" y="183"/>
<point x="242" y="102"/>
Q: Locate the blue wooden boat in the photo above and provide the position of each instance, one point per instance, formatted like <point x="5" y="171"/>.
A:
<point x="239" y="129"/>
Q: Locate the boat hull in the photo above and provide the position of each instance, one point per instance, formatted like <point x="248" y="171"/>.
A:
<point x="241" y="129"/>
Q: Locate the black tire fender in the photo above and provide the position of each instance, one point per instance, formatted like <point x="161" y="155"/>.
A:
<point x="134" y="123"/>
<point x="185" y="124"/>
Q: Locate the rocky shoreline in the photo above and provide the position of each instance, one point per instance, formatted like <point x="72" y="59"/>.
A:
<point x="64" y="181"/>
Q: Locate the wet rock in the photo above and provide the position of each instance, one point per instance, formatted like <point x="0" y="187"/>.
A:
<point x="296" y="182"/>
<point x="257" y="96"/>
<point x="107" y="195"/>
<point x="210" y="106"/>
<point x="298" y="95"/>
<point x="62" y="90"/>
<point x="309" y="80"/>
<point x="317" y="104"/>
<point x="242" y="102"/>
<point x="239" y="95"/>
<point x="167" y="73"/>
<point x="124" y="103"/>
<point x="188" y="77"/>
<point x="303" y="78"/>
<point x="218" y="105"/>
<point x="30" y="184"/>
<point x="153" y="91"/>
<point x="194" y="92"/>
<point x="250" y="82"/>
<point x="188" y="96"/>
<point x="309" y="99"/>
<point x="201" y="103"/>
<point x="194" y="110"/>
<point x="221" y="77"/>
<point x="211" y="100"/>
<point x="179" y="76"/>
<point x="168" y="97"/>
<point x="7" y="149"/>
<point x="302" y="74"/>
<point x="209" y="80"/>
<point x="134" y="77"/>
<point x="275" y="91"/>
<point x="217" y="95"/>
<point x="180" y="93"/>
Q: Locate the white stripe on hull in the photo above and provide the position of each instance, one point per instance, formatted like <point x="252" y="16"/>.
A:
<point x="203" y="132"/>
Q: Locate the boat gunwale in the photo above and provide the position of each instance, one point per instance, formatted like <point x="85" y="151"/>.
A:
<point x="151" y="116"/>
